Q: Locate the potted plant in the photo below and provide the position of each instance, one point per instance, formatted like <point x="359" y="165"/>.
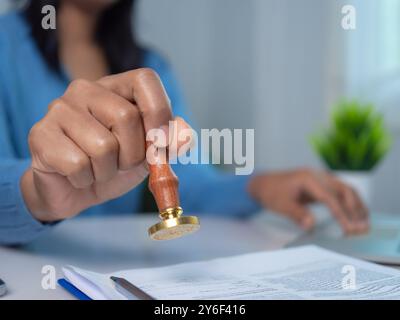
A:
<point x="353" y="144"/>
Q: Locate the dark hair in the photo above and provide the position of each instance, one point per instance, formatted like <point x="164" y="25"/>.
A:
<point x="114" y="34"/>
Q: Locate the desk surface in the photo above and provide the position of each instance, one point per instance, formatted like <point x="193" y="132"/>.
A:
<point x="106" y="244"/>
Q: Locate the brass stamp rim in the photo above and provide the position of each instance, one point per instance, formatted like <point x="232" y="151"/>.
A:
<point x="172" y="223"/>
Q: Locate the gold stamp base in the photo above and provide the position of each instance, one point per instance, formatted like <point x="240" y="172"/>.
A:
<point x="173" y="225"/>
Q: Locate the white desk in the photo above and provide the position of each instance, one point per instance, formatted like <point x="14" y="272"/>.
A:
<point x="106" y="244"/>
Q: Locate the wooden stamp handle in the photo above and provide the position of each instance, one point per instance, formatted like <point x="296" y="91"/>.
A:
<point x="163" y="184"/>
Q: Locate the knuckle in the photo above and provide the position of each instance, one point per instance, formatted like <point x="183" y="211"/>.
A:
<point x="36" y="132"/>
<point x="37" y="142"/>
<point x="105" y="146"/>
<point x="146" y="73"/>
<point x="78" y="164"/>
<point x="126" y="114"/>
<point x="57" y="104"/>
<point x="79" y="85"/>
<point x="36" y="129"/>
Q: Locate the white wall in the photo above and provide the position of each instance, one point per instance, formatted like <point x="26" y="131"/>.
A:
<point x="209" y="44"/>
<point x="290" y="68"/>
<point x="272" y="65"/>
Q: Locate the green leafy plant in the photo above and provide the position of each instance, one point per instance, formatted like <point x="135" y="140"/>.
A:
<point x="356" y="140"/>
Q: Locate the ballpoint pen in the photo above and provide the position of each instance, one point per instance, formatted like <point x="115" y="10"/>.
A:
<point x="128" y="290"/>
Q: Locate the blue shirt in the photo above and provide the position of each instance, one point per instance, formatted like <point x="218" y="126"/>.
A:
<point x="28" y="85"/>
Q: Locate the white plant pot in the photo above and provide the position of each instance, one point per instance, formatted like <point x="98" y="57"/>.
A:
<point x="361" y="181"/>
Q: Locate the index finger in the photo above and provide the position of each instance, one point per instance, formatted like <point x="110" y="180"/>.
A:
<point x="352" y="202"/>
<point x="143" y="88"/>
<point x="321" y="194"/>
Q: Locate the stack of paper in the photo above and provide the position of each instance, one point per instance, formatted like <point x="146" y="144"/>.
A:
<point x="307" y="272"/>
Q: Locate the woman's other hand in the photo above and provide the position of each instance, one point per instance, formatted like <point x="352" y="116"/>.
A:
<point x="290" y="192"/>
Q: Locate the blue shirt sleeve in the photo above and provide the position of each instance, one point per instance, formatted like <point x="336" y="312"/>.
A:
<point x="17" y="225"/>
<point x="203" y="187"/>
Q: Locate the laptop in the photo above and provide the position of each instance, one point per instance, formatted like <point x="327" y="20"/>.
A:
<point x="381" y="244"/>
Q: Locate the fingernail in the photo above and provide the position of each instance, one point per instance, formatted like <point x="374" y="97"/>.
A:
<point x="364" y="226"/>
<point x="349" y="229"/>
<point x="355" y="227"/>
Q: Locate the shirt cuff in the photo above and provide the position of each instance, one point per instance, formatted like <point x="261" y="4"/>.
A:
<point x="17" y="225"/>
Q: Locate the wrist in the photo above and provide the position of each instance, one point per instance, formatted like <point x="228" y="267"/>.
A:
<point x="31" y="197"/>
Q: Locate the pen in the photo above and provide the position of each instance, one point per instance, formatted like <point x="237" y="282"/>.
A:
<point x="3" y="288"/>
<point x="128" y="290"/>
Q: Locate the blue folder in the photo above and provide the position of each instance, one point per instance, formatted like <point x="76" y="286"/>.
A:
<point x="72" y="289"/>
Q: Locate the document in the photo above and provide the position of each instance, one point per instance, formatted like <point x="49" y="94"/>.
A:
<point x="307" y="272"/>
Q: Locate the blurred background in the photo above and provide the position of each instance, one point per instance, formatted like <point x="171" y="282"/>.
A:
<point x="278" y="66"/>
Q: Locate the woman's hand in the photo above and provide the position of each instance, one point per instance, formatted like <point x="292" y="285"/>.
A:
<point x="290" y="192"/>
<point x="90" y="146"/>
